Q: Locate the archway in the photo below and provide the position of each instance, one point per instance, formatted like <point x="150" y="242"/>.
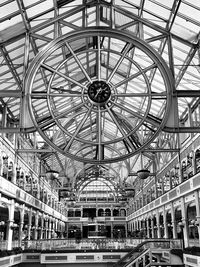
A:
<point x="15" y="226"/>
<point x="193" y="233"/>
<point x="4" y="217"/>
<point x="169" y="224"/>
<point x="178" y="222"/>
<point x="161" y="225"/>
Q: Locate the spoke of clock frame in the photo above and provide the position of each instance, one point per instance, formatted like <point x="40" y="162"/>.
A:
<point x="120" y="128"/>
<point x="44" y="95"/>
<point x="61" y="103"/>
<point x="98" y="59"/>
<point x="40" y="95"/>
<point x="136" y="114"/>
<point x="131" y="112"/>
<point x="49" y="68"/>
<point x="78" y="129"/>
<point x="161" y="95"/>
<point x="108" y="57"/>
<point x="135" y="75"/>
<point x="79" y="62"/>
<point x="123" y="54"/>
<point x="59" y="116"/>
<point x="99" y="130"/>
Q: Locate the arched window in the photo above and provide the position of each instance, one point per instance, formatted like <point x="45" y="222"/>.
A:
<point x="107" y="212"/>
<point x="98" y="190"/>
<point x="100" y="212"/>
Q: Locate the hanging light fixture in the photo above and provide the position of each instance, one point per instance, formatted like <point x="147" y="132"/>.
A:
<point x="52" y="174"/>
<point x="130" y="191"/>
<point x="143" y="174"/>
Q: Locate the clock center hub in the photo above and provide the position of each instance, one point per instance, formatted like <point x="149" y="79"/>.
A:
<point x="99" y="92"/>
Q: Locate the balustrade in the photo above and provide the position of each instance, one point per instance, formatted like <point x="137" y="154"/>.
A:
<point x="93" y="243"/>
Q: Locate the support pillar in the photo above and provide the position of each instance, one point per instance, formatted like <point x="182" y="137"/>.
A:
<point x="197" y="203"/>
<point x="174" y="231"/>
<point x="29" y="223"/>
<point x="158" y="224"/>
<point x="42" y="227"/>
<point x="9" y="229"/>
<point x="165" y="223"/>
<point x="148" y="233"/>
<point x="21" y="225"/>
<point x="152" y="228"/>
<point x="184" y="221"/>
<point x="111" y="229"/>
<point x="49" y="232"/>
<point x="35" y="233"/>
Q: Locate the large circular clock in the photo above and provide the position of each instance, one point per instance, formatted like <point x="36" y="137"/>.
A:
<point x="99" y="95"/>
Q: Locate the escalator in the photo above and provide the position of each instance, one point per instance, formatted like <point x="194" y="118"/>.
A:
<point x="131" y="256"/>
<point x="141" y="255"/>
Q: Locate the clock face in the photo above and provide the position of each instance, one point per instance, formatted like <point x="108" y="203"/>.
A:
<point x="99" y="92"/>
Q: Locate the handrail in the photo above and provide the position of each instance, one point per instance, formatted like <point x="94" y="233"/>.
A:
<point x="83" y="243"/>
<point x="134" y="259"/>
<point x="171" y="243"/>
<point x="129" y="255"/>
<point x="96" y="243"/>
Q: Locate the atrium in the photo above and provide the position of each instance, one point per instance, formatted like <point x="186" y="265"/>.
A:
<point x="99" y="131"/>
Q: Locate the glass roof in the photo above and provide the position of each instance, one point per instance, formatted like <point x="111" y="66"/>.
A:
<point x="99" y="83"/>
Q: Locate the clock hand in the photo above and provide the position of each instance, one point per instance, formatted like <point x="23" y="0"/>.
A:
<point x="98" y="91"/>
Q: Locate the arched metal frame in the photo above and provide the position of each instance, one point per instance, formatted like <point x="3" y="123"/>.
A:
<point x="103" y="180"/>
<point x="127" y="112"/>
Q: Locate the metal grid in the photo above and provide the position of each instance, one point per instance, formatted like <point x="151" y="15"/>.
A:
<point x="26" y="27"/>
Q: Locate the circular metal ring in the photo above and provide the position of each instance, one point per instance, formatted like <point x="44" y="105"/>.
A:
<point x="103" y="97"/>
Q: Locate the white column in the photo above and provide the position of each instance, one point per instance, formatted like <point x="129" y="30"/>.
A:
<point x="42" y="226"/>
<point x="21" y="224"/>
<point x="184" y="220"/>
<point x="152" y="228"/>
<point x="49" y="232"/>
<point x="35" y="233"/>
<point x="165" y="223"/>
<point x="158" y="224"/>
<point x="197" y="203"/>
<point x="147" y="224"/>
<point x="173" y="221"/>
<point x="29" y="223"/>
<point x="9" y="230"/>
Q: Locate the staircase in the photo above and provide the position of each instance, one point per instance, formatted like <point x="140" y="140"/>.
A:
<point x="143" y="255"/>
<point x="133" y="255"/>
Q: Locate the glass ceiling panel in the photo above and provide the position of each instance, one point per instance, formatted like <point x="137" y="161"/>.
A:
<point x="9" y="10"/>
<point x="163" y="12"/>
<point x="194" y="3"/>
<point x="32" y="10"/>
<point x="152" y="22"/>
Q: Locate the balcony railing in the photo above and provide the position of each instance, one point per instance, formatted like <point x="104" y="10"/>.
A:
<point x="97" y="243"/>
<point x="3" y="245"/>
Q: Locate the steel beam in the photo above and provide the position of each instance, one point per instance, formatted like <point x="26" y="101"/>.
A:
<point x="10" y="93"/>
<point x="187" y="93"/>
<point x="36" y="150"/>
<point x="135" y="174"/>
